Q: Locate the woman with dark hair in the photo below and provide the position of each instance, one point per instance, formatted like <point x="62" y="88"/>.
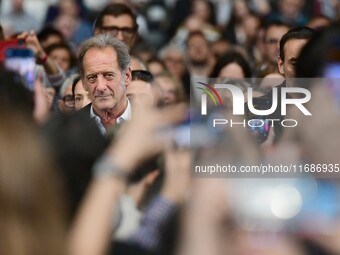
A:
<point x="232" y="65"/>
<point x="63" y="55"/>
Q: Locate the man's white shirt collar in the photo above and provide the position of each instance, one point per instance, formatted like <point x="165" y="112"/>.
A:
<point x="126" y="116"/>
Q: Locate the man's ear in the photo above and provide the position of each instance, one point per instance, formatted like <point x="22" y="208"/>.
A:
<point x="128" y="77"/>
<point x="280" y="65"/>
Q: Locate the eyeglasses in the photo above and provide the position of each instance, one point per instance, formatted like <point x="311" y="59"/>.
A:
<point x="142" y="75"/>
<point x="68" y="101"/>
<point x="127" y="32"/>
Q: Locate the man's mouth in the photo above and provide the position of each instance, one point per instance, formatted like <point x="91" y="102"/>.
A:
<point x="101" y="96"/>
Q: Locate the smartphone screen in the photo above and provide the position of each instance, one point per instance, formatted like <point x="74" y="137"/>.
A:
<point x="259" y="126"/>
<point x="12" y="43"/>
<point x="22" y="61"/>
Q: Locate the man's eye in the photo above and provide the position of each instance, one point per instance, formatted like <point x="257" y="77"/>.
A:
<point x="78" y="99"/>
<point x="109" y="76"/>
<point x="91" y="79"/>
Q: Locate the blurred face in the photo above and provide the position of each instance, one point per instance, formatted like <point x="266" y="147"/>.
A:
<point x="140" y="92"/>
<point x="290" y="8"/>
<point x="155" y="68"/>
<point x="198" y="51"/>
<point x="69" y="7"/>
<point x="232" y="70"/>
<point x="272" y="42"/>
<point x="201" y="9"/>
<point x="292" y="50"/>
<point x="81" y="96"/>
<point x="240" y="8"/>
<point x="174" y="62"/>
<point x="66" y="104"/>
<point x="251" y="26"/>
<point x="62" y="57"/>
<point x="121" y="27"/>
<point x="66" y="24"/>
<point x="136" y="64"/>
<point x="169" y="89"/>
<point x="104" y="80"/>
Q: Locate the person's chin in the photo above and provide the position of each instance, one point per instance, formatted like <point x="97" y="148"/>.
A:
<point x="104" y="105"/>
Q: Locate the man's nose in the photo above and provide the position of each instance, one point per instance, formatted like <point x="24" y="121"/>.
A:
<point x="120" y="35"/>
<point x="101" y="83"/>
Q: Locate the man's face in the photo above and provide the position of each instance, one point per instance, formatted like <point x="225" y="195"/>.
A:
<point x="198" y="50"/>
<point x="169" y="90"/>
<point x="140" y="92"/>
<point x="291" y="51"/>
<point x="272" y="42"/>
<point x="104" y="80"/>
<point x="121" y="27"/>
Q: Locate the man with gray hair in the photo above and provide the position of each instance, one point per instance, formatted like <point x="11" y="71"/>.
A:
<point x="104" y="64"/>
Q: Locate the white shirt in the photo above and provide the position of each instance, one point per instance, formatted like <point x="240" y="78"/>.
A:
<point x="129" y="220"/>
<point x="124" y="117"/>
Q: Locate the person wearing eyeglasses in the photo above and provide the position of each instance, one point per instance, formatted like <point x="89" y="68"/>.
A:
<point x="273" y="33"/>
<point x="66" y="100"/>
<point x="120" y="21"/>
<point x="81" y="96"/>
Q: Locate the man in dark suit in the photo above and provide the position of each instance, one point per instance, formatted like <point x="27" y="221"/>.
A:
<point x="291" y="44"/>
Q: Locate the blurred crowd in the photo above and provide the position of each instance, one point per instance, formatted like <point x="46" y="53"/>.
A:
<point x="98" y="157"/>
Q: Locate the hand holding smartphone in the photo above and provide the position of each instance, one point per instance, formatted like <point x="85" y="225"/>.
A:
<point x="15" y="56"/>
<point x="22" y="61"/>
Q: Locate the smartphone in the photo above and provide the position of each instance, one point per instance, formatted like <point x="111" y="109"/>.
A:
<point x="22" y="61"/>
<point x="12" y="43"/>
<point x="259" y="126"/>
